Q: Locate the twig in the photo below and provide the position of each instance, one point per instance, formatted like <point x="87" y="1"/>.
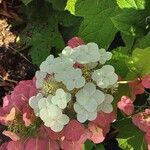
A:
<point x="9" y="80"/>
<point x="20" y="54"/>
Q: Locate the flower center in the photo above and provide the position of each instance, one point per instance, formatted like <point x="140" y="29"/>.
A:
<point x="146" y="117"/>
<point x="87" y="73"/>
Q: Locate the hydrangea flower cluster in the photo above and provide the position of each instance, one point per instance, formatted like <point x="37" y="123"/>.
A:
<point x="79" y="81"/>
<point x="67" y="103"/>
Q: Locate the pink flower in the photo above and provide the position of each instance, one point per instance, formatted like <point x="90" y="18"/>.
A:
<point x="71" y="145"/>
<point x="4" y="146"/>
<point x="75" y="42"/>
<point x="147" y="136"/>
<point x="75" y="145"/>
<point x="97" y="133"/>
<point x="12" y="135"/>
<point x="6" y="118"/>
<point x="28" y="116"/>
<point x="142" y="120"/>
<point x="126" y="105"/>
<point x="20" y="95"/>
<point x="146" y="81"/>
<point x="51" y="134"/>
<point x="101" y="126"/>
<point x="148" y="146"/>
<point x="15" y="145"/>
<point x="41" y="144"/>
<point x="73" y="130"/>
<point x="18" y="99"/>
<point x="31" y="144"/>
<point x="104" y="120"/>
<point x="7" y="104"/>
<point x="74" y="136"/>
<point x="22" y="92"/>
<point x="136" y="87"/>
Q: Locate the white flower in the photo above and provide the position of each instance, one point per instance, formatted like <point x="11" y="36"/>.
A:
<point x="40" y="78"/>
<point x="45" y="102"/>
<point x="89" y="97"/>
<point x="66" y="73"/>
<point x="105" y="77"/>
<point x="88" y="100"/>
<point x="55" y="65"/>
<point x="47" y="65"/>
<point x="83" y="114"/>
<point x="67" y="51"/>
<point x="57" y="124"/>
<point x="106" y="106"/>
<point x="83" y="54"/>
<point x="72" y="78"/>
<point x="33" y="102"/>
<point x="52" y="115"/>
<point x="61" y="64"/>
<point x="61" y="98"/>
<point x="104" y="56"/>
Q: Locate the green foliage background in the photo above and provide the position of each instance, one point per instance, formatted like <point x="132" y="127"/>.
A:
<point x="120" y="26"/>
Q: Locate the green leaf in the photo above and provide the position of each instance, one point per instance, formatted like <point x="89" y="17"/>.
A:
<point x="130" y="137"/>
<point x="96" y="25"/>
<point x="143" y="42"/>
<point x="26" y="2"/>
<point x="136" y="4"/>
<point x="99" y="147"/>
<point x="130" y="22"/>
<point x="67" y="20"/>
<point x="89" y="145"/>
<point x="119" y="59"/>
<point x="70" y="6"/>
<point x="40" y="52"/>
<point x="58" y="4"/>
<point x="42" y="32"/>
<point x="139" y="62"/>
<point x="129" y="41"/>
<point x="45" y="37"/>
<point x="43" y="42"/>
<point x="131" y="17"/>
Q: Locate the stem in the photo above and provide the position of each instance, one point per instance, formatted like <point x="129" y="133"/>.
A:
<point x="124" y="82"/>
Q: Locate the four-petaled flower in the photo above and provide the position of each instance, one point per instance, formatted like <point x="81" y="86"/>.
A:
<point x="105" y="77"/>
<point x="61" y="98"/>
<point x="104" y="56"/>
<point x="106" y="105"/>
<point x="52" y="115"/>
<point x="87" y="101"/>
